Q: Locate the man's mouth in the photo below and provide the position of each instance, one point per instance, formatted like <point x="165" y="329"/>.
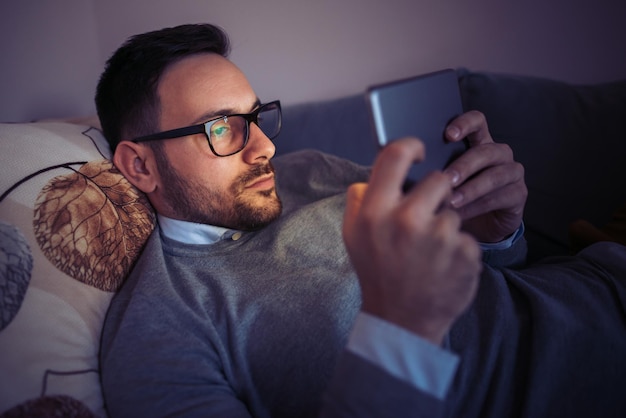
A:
<point x="262" y="183"/>
<point x="260" y="177"/>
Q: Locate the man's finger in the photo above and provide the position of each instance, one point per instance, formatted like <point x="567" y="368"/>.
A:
<point x="390" y="170"/>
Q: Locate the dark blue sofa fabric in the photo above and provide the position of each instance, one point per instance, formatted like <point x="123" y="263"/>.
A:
<point x="570" y="139"/>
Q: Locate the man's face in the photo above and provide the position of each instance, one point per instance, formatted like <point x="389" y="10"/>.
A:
<point x="237" y="191"/>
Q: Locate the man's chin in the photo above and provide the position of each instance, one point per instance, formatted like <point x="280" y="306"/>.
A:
<point x="260" y="213"/>
<point x="261" y="198"/>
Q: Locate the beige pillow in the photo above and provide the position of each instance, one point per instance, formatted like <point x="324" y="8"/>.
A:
<point x="70" y="229"/>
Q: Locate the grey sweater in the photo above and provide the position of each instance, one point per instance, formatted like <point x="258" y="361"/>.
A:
<point x="256" y="327"/>
<point x="258" y="321"/>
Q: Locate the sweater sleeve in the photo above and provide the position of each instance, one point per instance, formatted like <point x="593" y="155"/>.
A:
<point x="360" y="389"/>
<point x="183" y="379"/>
<point x="403" y="354"/>
<point x="511" y="256"/>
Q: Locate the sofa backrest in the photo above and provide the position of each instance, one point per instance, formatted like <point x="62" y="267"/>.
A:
<point x="570" y="139"/>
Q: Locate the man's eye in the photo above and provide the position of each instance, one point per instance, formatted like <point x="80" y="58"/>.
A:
<point x="220" y="130"/>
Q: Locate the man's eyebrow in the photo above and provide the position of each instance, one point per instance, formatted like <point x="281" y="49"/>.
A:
<point x="223" y="112"/>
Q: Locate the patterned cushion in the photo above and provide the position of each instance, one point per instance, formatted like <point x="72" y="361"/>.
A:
<point x="71" y="227"/>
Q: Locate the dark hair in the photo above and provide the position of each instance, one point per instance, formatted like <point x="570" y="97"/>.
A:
<point x="126" y="97"/>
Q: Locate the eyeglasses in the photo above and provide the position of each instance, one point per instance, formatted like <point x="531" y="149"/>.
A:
<point x="227" y="135"/>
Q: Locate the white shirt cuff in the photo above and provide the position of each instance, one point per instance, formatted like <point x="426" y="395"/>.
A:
<point x="506" y="243"/>
<point x="403" y="354"/>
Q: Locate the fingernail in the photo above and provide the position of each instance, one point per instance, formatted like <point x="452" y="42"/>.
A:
<point x="453" y="132"/>
<point x="456" y="199"/>
<point x="454" y="176"/>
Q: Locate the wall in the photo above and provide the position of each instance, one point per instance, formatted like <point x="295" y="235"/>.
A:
<point x="50" y="59"/>
<point x="299" y="50"/>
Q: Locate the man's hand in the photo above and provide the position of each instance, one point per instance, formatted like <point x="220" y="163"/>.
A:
<point x="416" y="268"/>
<point x="490" y="192"/>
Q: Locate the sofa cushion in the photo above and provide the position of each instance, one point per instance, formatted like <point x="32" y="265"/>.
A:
<point x="341" y="127"/>
<point x="71" y="227"/>
<point x="571" y="141"/>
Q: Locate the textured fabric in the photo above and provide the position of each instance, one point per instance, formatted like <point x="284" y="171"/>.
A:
<point x="71" y="227"/>
<point x="545" y="341"/>
<point x="230" y="323"/>
<point x="256" y="327"/>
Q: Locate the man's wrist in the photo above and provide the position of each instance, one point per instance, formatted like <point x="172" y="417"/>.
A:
<point x="506" y="243"/>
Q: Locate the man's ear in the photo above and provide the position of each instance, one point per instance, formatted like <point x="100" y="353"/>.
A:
<point x="136" y="162"/>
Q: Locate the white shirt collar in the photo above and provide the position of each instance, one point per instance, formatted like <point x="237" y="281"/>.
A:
<point x="194" y="233"/>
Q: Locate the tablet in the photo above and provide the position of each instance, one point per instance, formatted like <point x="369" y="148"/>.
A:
<point x="419" y="107"/>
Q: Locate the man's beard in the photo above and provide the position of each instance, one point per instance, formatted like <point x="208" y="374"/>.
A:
<point x="194" y="202"/>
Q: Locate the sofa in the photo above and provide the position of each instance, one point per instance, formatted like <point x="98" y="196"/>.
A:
<point x="71" y="226"/>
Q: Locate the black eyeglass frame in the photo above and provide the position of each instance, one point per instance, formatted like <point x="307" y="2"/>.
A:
<point x="202" y="128"/>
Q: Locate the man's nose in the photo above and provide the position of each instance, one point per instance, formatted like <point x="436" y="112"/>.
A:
<point x="259" y="145"/>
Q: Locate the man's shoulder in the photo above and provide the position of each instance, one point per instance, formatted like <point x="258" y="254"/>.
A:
<point x="315" y="173"/>
<point x="146" y="261"/>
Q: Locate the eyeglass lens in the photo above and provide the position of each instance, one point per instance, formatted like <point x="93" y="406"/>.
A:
<point x="229" y="134"/>
<point x="269" y="120"/>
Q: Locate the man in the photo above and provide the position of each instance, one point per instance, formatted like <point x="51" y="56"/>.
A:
<point x="245" y="301"/>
